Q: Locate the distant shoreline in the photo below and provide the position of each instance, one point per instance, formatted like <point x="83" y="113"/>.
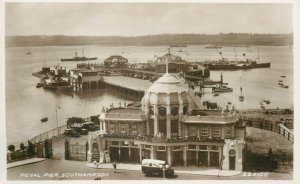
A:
<point x="230" y="39"/>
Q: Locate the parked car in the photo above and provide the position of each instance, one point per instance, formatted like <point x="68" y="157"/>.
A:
<point x="152" y="166"/>
<point x="71" y="133"/>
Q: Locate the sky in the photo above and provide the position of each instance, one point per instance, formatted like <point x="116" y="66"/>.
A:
<point x="132" y="19"/>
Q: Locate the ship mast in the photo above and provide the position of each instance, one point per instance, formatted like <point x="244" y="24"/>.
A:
<point x="258" y="54"/>
<point x="235" y="54"/>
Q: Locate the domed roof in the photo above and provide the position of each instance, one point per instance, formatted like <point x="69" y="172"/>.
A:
<point x="167" y="84"/>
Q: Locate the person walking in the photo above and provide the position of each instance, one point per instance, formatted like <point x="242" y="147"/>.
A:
<point x="115" y="166"/>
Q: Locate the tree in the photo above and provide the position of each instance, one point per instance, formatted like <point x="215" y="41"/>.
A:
<point x="22" y="146"/>
<point x="11" y="148"/>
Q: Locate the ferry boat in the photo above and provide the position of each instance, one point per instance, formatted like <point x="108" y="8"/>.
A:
<point x="225" y="64"/>
<point x="78" y="58"/>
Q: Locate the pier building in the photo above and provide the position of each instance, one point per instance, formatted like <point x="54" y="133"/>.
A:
<point x="168" y="126"/>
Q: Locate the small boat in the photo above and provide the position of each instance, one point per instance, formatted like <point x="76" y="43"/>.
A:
<point x="216" y="94"/>
<point x="28" y="53"/>
<point x="280" y="80"/>
<point x="284" y="86"/>
<point x="280" y="84"/>
<point x="44" y="119"/>
<point x="241" y="98"/>
<point x="267" y="101"/>
<point x="229" y="103"/>
<point x="223" y="89"/>
<point x="283" y="76"/>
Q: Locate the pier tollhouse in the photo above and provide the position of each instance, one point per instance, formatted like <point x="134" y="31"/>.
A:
<point x="169" y="126"/>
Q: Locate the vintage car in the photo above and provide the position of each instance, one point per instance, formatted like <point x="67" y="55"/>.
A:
<point x="71" y="133"/>
<point x="152" y="166"/>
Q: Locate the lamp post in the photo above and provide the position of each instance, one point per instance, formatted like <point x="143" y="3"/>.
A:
<point x="98" y="166"/>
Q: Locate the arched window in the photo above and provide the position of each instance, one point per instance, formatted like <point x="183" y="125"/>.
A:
<point x="185" y="109"/>
<point x="174" y="111"/>
<point x="151" y="110"/>
<point x="162" y="111"/>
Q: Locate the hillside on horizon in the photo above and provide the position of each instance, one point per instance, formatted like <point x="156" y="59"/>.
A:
<point x="152" y="40"/>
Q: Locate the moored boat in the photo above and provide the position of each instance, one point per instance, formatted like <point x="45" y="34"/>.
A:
<point x="78" y="58"/>
<point x="44" y="119"/>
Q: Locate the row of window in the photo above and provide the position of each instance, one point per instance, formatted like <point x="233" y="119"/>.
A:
<point x="162" y="126"/>
<point x="162" y="111"/>
<point x="205" y="131"/>
<point x="123" y="127"/>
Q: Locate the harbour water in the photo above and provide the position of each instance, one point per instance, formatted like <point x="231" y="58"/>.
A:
<point x="26" y="105"/>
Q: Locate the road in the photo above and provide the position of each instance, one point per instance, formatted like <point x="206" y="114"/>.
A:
<point x="75" y="170"/>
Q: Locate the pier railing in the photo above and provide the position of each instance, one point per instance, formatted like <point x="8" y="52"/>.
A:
<point x="270" y="126"/>
<point x="55" y="132"/>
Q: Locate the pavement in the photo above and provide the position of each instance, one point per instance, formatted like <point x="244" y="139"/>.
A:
<point x="137" y="167"/>
<point x="24" y="162"/>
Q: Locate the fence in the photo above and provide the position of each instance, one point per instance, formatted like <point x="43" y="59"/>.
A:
<point x="55" y="132"/>
<point x="271" y="126"/>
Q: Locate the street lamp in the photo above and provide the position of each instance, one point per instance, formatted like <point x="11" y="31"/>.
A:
<point x="164" y="167"/>
<point x="98" y="166"/>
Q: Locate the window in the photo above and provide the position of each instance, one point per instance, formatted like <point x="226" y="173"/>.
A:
<point x="203" y="147"/>
<point x="193" y="147"/>
<point x="162" y="111"/>
<point x="133" y="128"/>
<point x="217" y="132"/>
<point x="176" y="148"/>
<point x="228" y="132"/>
<point x="151" y="110"/>
<point x="151" y="126"/>
<point x="112" y="128"/>
<point x="185" y="109"/>
<point x="174" y="126"/>
<point x="192" y="131"/>
<point x="214" y="147"/>
<point x="204" y="132"/>
<point x="174" y="111"/>
<point x="161" y="148"/>
<point x="123" y="128"/>
<point x="162" y="127"/>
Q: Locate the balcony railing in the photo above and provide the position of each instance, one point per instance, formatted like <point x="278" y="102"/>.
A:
<point x="175" y="139"/>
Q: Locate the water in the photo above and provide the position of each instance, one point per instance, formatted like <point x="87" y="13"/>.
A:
<point x="26" y="105"/>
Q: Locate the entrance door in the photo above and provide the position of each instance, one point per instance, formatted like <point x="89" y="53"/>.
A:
<point x="135" y="155"/>
<point x="202" y="158"/>
<point x="114" y="153"/>
<point x="232" y="163"/>
<point x="177" y="158"/>
<point x="232" y="155"/>
<point x="124" y="155"/>
<point x="214" y="159"/>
